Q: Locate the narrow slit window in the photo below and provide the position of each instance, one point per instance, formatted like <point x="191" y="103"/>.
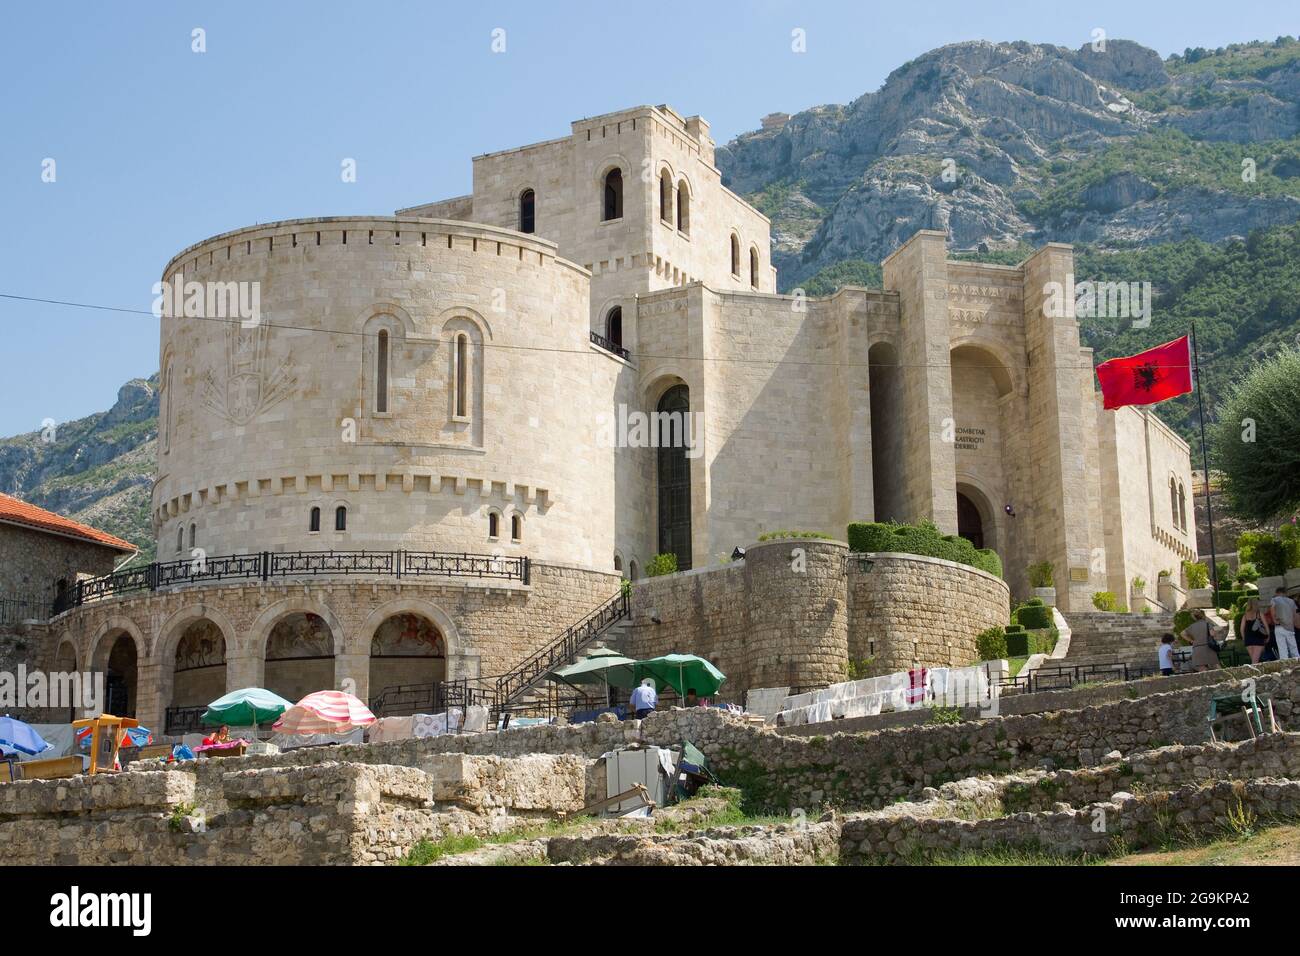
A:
<point x="313" y="523"/>
<point x="516" y="528"/>
<point x="527" y="211"/>
<point x="462" y="376"/>
<point x="381" y="372"/>
<point x="753" y="267"/>
<point x="613" y="195"/>
<point x="340" y="518"/>
<point x="735" y="256"/>
<point x="494" y="525"/>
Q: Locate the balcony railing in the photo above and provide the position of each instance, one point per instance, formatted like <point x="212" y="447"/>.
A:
<point x="15" y="609"/>
<point x="609" y="345"/>
<point x="267" y="565"/>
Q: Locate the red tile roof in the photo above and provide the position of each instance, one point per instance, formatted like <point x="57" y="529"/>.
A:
<point x="16" y="511"/>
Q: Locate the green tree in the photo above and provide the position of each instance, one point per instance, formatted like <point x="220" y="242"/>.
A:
<point x="1255" y="440"/>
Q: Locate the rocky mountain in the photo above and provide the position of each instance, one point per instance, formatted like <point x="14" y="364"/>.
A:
<point x="98" y="469"/>
<point x="1006" y="144"/>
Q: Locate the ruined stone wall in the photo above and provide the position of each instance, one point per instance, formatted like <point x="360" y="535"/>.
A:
<point x="908" y="610"/>
<point x="1124" y="822"/>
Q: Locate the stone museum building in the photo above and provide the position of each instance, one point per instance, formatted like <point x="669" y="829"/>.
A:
<point x="455" y="391"/>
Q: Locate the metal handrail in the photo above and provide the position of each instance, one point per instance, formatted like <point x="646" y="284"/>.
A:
<point x="264" y="565"/>
<point x="609" y="345"/>
<point x="516" y="682"/>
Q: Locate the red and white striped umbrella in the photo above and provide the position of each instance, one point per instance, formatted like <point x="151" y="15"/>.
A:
<point x="324" y="712"/>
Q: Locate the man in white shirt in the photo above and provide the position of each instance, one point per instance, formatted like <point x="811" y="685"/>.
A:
<point x="1284" y="625"/>
<point x="644" y="699"/>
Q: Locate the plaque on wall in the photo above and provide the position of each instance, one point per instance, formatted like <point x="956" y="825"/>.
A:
<point x="1079" y="574"/>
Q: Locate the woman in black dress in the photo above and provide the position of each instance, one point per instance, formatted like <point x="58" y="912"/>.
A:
<point x="1255" y="633"/>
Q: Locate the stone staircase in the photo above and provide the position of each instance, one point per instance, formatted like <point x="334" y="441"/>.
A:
<point x="611" y="639"/>
<point x="1098" y="637"/>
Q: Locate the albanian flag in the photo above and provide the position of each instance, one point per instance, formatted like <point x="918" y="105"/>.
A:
<point x="1148" y="377"/>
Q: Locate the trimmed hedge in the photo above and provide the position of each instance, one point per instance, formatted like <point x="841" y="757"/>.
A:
<point x="923" y="539"/>
<point x="1025" y="643"/>
<point x="1034" y="615"/>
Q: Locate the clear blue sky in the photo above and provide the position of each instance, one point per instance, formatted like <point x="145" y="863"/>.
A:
<point x="158" y="147"/>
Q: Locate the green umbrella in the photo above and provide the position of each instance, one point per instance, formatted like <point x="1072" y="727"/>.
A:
<point x="246" y="707"/>
<point x="682" y="672"/>
<point x="603" y="667"/>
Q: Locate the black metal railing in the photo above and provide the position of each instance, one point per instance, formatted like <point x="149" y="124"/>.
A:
<point x="183" y="720"/>
<point x="403" y="700"/>
<point x="609" y="345"/>
<point x="265" y="565"/>
<point x="15" y="609"/>
<point x="513" y="685"/>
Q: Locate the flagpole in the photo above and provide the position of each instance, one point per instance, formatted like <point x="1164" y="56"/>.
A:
<point x="1205" y="459"/>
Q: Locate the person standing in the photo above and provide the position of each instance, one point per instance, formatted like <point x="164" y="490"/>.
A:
<point x="1284" y="610"/>
<point x="1204" y="656"/>
<point x="1166" y="655"/>
<point x="1254" y="631"/>
<point x="644" y="699"/>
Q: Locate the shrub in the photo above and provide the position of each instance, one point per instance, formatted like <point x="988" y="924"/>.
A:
<point x="1104" y="601"/>
<point x="1247" y="573"/>
<point x="945" y="715"/>
<point x="661" y="564"/>
<point x="1041" y="575"/>
<point x="1182" y="620"/>
<point x="1139" y="583"/>
<point x="991" y="644"/>
<point x="922" y="538"/>
<point x="777" y="535"/>
<point x="1025" y="643"/>
<point x="1223" y="573"/>
<point x="1034" y="616"/>
<point x="1198" y="575"/>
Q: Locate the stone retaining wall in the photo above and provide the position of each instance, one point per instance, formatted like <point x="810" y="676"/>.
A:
<point x="795" y="612"/>
<point x="907" y="610"/>
<point x="1122" y="824"/>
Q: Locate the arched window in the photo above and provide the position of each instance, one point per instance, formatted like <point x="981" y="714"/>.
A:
<point x="618" y="562"/>
<point x="1182" y="506"/>
<point x="1173" y="499"/>
<point x="167" y="411"/>
<point x="494" y="525"/>
<point x="516" y="528"/>
<point x="381" y="372"/>
<point x="735" y="255"/>
<point x="341" y="518"/>
<point x="753" y="267"/>
<point x="613" y="195"/>
<point x="614" y="326"/>
<point x="632" y="571"/>
<point x="683" y="207"/>
<point x="527" y="201"/>
<point x="180" y="538"/>
<point x="313" y="523"/>
<point x="666" y="197"/>
<point x="193" y="533"/>
<point x="462" y="376"/>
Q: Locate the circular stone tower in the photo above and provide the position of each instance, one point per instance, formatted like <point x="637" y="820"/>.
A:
<point x="376" y="384"/>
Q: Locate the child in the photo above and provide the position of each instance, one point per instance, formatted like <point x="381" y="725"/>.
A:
<point x="1166" y="654"/>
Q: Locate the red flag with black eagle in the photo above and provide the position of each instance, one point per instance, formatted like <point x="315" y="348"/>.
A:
<point x="1148" y="377"/>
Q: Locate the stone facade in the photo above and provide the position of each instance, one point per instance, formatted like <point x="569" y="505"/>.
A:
<point x="905" y="610"/>
<point x="429" y="382"/>
<point x="797" y="610"/>
<point x="482" y="628"/>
